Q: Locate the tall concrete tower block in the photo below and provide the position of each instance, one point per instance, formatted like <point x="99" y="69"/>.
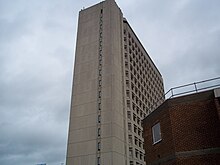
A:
<point x="115" y="82"/>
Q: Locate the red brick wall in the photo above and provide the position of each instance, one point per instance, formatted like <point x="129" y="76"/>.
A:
<point x="165" y="147"/>
<point x="187" y="123"/>
<point x="195" y="125"/>
<point x="217" y="103"/>
<point x="200" y="160"/>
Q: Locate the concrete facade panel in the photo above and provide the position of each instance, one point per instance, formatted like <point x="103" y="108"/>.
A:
<point x="84" y="77"/>
<point x="118" y="119"/>
<point x="106" y="130"/>
<point x="83" y="122"/>
<point x="81" y="135"/>
<point x="107" y="158"/>
<point x="118" y="132"/>
<point x="85" y="87"/>
<point x="89" y="51"/>
<point x="106" y="81"/>
<point x="106" y="117"/>
<point x="84" y="98"/>
<point x="82" y="160"/>
<point x="84" y="109"/>
<point x="82" y="148"/>
<point x="118" y="159"/>
<point x="106" y="145"/>
<point x="86" y="66"/>
<point x="106" y="92"/>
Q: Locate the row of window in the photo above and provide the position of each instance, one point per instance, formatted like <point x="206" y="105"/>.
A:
<point x="142" y="66"/>
<point x="144" y="76"/>
<point x="135" y="49"/>
<point x="156" y="133"/>
<point x="135" y="109"/>
<point x="143" y="88"/>
<point x="144" y="103"/>
<point x="147" y="95"/>
<point x="139" y="83"/>
<point x="135" y="129"/>
<point x="144" y="80"/>
<point x="99" y="91"/>
<point x="137" y="163"/>
<point x="135" y="118"/>
<point x="141" y="62"/>
<point x="136" y="153"/>
<point x="137" y="141"/>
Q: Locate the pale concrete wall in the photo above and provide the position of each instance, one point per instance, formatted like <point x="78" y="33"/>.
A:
<point x="83" y="137"/>
<point x="82" y="144"/>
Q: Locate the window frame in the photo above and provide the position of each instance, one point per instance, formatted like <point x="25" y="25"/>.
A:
<point x="154" y="128"/>
<point x="98" y="160"/>
<point x="99" y="146"/>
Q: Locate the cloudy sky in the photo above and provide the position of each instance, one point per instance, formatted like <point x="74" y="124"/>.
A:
<point x="37" y="45"/>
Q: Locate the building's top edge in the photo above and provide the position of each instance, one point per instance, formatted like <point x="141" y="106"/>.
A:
<point x="208" y="94"/>
<point x="217" y="92"/>
<point x="86" y="8"/>
<point x="125" y="21"/>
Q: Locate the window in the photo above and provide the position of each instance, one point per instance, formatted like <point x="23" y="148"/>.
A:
<point x="130" y="139"/>
<point x="128" y="104"/>
<point x="129" y="114"/>
<point x="141" y="157"/>
<point x="99" y="106"/>
<point x="156" y="133"/>
<point x="130" y="152"/>
<point x="134" y="117"/>
<point x="99" y="131"/>
<point x="140" y="145"/>
<point x="99" y="118"/>
<point x="127" y="74"/>
<point x="98" y="161"/>
<point x="139" y="132"/>
<point x="129" y="126"/>
<point x="136" y="153"/>
<point x="136" y="141"/>
<point x="99" y="146"/>
<point x="100" y="59"/>
<point x="135" y="128"/>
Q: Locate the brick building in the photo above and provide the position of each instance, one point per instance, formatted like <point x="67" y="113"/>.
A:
<point x="184" y="130"/>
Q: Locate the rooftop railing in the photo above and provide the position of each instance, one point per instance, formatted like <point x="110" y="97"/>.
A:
<point x="187" y="89"/>
<point x="193" y="87"/>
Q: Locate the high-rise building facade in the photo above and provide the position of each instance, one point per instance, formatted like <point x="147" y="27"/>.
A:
<point x="115" y="83"/>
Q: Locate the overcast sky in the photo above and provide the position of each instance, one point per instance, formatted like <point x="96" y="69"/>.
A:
<point x="37" y="45"/>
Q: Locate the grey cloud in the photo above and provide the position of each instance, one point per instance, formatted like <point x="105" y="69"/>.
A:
<point x="181" y="37"/>
<point x="35" y="83"/>
<point x="37" y="40"/>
